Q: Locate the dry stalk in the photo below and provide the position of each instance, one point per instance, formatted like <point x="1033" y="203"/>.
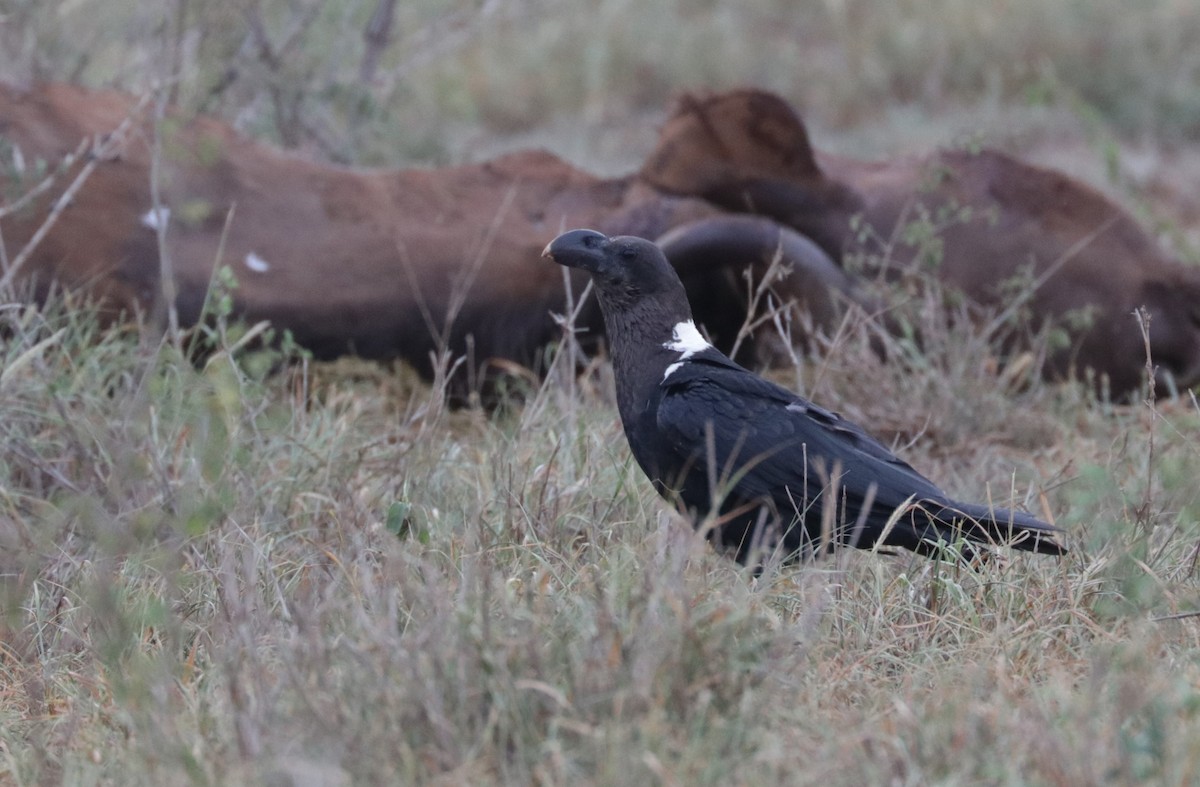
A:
<point x="378" y="36"/>
<point x="46" y="183"/>
<point x="167" y="282"/>
<point x="103" y="148"/>
<point x="1143" y="514"/>
<point x="776" y="271"/>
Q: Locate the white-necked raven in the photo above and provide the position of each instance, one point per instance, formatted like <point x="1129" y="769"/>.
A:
<point x="778" y="471"/>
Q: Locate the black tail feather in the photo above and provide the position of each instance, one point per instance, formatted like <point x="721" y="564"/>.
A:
<point x="1000" y="526"/>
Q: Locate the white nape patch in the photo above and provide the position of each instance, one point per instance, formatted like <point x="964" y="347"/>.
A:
<point x="685" y="340"/>
<point x="154" y="220"/>
<point x="257" y="263"/>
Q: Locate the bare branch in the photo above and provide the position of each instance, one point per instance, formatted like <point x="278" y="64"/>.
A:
<point x="378" y="35"/>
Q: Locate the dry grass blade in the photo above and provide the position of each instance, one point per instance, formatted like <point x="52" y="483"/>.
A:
<point x="267" y="585"/>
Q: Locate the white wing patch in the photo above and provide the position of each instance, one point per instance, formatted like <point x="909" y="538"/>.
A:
<point x="685" y="340"/>
<point x="257" y="263"/>
<point x="154" y="219"/>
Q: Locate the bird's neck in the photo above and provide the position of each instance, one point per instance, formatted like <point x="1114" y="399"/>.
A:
<point x="637" y="337"/>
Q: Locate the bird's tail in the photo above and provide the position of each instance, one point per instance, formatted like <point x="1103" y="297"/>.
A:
<point x="988" y="525"/>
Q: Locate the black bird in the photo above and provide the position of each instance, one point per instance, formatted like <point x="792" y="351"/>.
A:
<point x="775" y="470"/>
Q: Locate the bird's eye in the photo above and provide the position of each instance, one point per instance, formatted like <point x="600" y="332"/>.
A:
<point x="628" y="252"/>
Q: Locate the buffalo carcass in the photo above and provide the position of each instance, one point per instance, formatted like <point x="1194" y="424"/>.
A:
<point x="380" y="263"/>
<point x="998" y="220"/>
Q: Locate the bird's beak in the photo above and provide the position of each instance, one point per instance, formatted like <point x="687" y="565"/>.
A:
<point x="578" y="249"/>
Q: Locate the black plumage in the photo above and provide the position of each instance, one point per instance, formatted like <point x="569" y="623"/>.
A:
<point x="778" y="471"/>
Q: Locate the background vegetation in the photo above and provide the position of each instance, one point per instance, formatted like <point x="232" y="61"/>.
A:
<point x="322" y="576"/>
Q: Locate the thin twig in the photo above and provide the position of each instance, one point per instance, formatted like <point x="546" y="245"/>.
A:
<point x="46" y="182"/>
<point x="1143" y="318"/>
<point x="377" y="35"/>
<point x="1026" y="294"/>
<point x="1176" y="616"/>
<point x="101" y="151"/>
<point x="169" y="289"/>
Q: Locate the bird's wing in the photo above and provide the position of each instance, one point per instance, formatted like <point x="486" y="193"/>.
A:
<point x="778" y="439"/>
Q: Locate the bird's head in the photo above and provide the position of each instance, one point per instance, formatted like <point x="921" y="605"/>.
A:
<point x="645" y="308"/>
<point x="626" y="269"/>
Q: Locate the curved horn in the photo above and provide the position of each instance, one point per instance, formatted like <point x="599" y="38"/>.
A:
<point x="819" y="285"/>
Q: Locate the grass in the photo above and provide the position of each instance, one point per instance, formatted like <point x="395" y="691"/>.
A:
<point x="212" y="574"/>
<point x="460" y="76"/>
<point x="217" y="577"/>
